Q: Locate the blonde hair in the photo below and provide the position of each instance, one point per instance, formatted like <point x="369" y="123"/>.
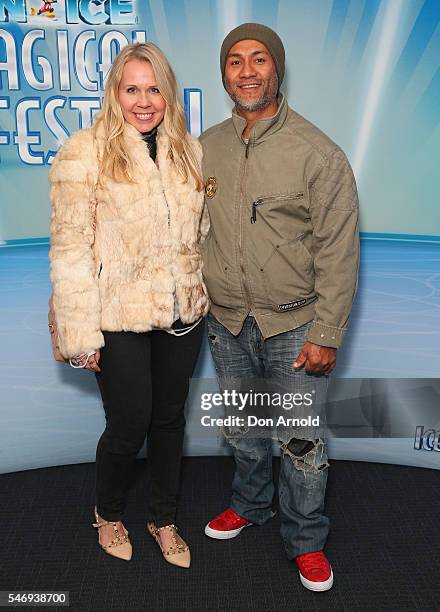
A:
<point x="116" y="162"/>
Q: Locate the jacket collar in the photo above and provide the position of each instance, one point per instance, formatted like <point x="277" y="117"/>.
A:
<point x="137" y="147"/>
<point x="132" y="136"/>
<point x="263" y="128"/>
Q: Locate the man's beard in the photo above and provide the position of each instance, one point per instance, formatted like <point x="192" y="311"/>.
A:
<point x="268" y="95"/>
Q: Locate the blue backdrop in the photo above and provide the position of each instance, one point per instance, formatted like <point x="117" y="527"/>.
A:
<point x="367" y="72"/>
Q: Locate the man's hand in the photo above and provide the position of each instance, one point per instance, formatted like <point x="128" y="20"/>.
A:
<point x="316" y="359"/>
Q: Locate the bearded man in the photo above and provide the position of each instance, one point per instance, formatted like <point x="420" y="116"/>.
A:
<point x="280" y="265"/>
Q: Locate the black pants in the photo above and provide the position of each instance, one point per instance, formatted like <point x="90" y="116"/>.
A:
<point x="144" y="382"/>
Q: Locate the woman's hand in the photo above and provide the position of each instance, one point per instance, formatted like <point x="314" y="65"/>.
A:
<point x="88" y="362"/>
<point x="93" y="361"/>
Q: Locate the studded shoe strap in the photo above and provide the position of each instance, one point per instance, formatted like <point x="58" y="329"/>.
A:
<point x="98" y="525"/>
<point x="176" y="546"/>
<point x="170" y="527"/>
<point x="118" y="540"/>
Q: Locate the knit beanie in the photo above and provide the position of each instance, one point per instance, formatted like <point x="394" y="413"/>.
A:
<point x="255" y="31"/>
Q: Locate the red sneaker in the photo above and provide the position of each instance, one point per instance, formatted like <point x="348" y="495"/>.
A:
<point x="226" y="525"/>
<point x="315" y="571"/>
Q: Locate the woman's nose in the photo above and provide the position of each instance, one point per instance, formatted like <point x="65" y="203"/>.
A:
<point x="143" y="100"/>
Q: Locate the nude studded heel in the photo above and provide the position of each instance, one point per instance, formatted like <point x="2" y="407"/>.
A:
<point x="120" y="547"/>
<point x="177" y="554"/>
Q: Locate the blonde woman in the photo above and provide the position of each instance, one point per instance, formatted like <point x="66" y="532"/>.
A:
<point x="127" y="286"/>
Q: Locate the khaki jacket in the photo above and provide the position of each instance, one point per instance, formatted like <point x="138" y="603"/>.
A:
<point x="284" y="239"/>
<point x="144" y="254"/>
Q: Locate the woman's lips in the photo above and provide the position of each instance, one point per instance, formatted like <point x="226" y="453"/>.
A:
<point x="143" y="116"/>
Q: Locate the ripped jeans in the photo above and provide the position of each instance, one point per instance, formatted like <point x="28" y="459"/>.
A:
<point x="303" y="469"/>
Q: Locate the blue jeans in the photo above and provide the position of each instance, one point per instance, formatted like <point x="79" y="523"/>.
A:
<point x="303" y="470"/>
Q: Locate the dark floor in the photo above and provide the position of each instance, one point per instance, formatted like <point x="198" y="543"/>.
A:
<point x="383" y="545"/>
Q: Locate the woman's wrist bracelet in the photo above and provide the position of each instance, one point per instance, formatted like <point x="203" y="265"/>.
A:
<point x="75" y="362"/>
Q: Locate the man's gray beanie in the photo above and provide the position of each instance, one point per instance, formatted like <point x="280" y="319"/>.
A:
<point x="255" y="31"/>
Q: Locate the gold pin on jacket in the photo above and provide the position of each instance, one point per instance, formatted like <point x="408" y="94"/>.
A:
<point x="210" y="187"/>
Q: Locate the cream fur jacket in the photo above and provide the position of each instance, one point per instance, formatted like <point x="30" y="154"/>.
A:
<point x="144" y="253"/>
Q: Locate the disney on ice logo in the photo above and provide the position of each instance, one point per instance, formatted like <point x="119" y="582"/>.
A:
<point x="427" y="440"/>
<point x="93" y="12"/>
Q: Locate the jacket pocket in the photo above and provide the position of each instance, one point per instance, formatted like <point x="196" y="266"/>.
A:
<point x="275" y="220"/>
<point x="215" y="272"/>
<point x="273" y="199"/>
<point x="288" y="275"/>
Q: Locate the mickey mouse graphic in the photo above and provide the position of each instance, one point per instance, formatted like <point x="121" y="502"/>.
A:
<point x="47" y="8"/>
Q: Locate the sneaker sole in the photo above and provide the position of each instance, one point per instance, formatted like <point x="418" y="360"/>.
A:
<point x="317" y="586"/>
<point x="223" y="535"/>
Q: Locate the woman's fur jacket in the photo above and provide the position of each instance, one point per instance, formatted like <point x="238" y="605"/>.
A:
<point x="143" y="254"/>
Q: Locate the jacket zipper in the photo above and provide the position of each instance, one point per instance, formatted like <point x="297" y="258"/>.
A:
<point x="168" y="209"/>
<point x="246" y="156"/>
<point x="293" y="196"/>
<point x="164" y="196"/>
